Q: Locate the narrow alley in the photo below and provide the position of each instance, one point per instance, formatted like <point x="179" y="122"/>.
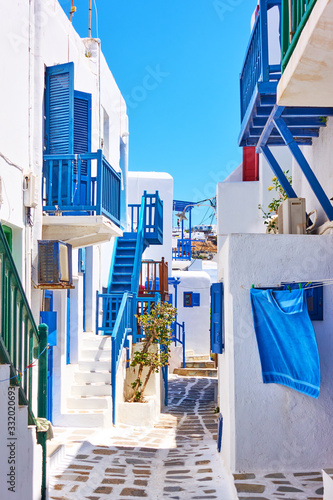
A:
<point x="176" y="459"/>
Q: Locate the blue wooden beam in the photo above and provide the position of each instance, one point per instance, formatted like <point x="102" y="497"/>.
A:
<point x="278" y="171"/>
<point x="306" y="169"/>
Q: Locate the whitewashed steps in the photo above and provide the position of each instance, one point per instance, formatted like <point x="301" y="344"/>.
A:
<point x="90" y="403"/>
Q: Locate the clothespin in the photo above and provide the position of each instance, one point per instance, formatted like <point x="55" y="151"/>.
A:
<point x="300" y="286"/>
<point x="289" y="288"/>
<point x="252" y="286"/>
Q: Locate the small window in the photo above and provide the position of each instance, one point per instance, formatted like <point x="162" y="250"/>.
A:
<point x="188" y="299"/>
<point x="191" y="299"/>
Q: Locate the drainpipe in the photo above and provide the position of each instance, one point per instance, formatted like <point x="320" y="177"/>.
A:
<point x="27" y="228"/>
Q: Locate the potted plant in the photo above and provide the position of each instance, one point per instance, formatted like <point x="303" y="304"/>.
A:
<point x="270" y="217"/>
<point x="155" y="347"/>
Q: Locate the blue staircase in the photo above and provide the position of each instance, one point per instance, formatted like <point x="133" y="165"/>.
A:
<point x="120" y="280"/>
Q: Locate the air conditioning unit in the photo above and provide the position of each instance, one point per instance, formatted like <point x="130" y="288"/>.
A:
<point x="54" y="264"/>
<point x="292" y="216"/>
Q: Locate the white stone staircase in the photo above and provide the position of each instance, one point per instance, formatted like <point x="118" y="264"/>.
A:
<point x="90" y="403"/>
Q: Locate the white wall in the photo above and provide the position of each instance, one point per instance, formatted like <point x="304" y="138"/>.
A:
<point x="37" y="34"/>
<point x="138" y="182"/>
<point x="237" y="201"/>
<point x="272" y="427"/>
<point x="197" y="319"/>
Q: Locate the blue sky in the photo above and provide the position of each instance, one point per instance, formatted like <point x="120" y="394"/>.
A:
<point x="177" y="64"/>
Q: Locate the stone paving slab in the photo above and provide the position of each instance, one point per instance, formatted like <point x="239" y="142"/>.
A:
<point x="274" y="485"/>
<point x="176" y="459"/>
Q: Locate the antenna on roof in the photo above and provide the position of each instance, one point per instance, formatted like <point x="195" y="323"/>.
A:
<point x="89" y="19"/>
<point x="73" y="9"/>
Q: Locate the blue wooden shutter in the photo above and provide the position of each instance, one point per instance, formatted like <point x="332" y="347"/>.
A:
<point x="59" y="107"/>
<point x="196" y="299"/>
<point x="82" y="125"/>
<point x="216" y="329"/>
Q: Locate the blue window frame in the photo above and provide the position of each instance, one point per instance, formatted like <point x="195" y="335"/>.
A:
<point x="191" y="299"/>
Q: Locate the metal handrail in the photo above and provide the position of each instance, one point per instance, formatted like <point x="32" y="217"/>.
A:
<point x="123" y="326"/>
<point x="295" y="14"/>
<point x="179" y="336"/>
<point x="22" y="343"/>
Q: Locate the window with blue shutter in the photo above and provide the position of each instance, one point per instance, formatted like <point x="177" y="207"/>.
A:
<point x="191" y="299"/>
<point x="59" y="126"/>
<point x="216" y="328"/>
<point x="82" y="126"/>
<point x="67" y="131"/>
<point x="59" y="109"/>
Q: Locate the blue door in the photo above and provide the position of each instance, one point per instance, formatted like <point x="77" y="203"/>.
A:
<point x="216" y="328"/>
<point x="49" y="317"/>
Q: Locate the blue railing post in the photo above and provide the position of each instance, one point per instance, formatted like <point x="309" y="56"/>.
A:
<point x="113" y="378"/>
<point x="264" y="41"/>
<point x="183" y="335"/>
<point x="100" y="183"/>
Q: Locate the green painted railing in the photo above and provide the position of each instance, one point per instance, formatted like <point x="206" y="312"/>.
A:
<point x="22" y="343"/>
<point x="295" y="14"/>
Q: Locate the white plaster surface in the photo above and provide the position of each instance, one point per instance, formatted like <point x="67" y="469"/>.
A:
<point x="197" y="319"/>
<point x="138" y="182"/>
<point x="272" y="427"/>
<point x="237" y="201"/>
<point x="328" y="486"/>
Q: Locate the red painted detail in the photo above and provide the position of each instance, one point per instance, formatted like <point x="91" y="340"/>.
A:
<point x="250" y="164"/>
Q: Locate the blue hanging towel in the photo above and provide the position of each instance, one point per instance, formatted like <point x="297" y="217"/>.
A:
<point x="286" y="340"/>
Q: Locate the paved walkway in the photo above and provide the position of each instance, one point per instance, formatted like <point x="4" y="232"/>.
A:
<point x="176" y="459"/>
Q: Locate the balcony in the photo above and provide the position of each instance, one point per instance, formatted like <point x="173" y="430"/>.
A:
<point x="307" y="38"/>
<point x="261" y="72"/>
<point x="81" y="199"/>
<point x="260" y="80"/>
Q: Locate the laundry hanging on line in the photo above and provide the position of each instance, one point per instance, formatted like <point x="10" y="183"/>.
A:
<point x="286" y="339"/>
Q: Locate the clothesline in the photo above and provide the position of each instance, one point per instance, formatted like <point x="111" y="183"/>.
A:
<point x="19" y="374"/>
<point x="317" y="284"/>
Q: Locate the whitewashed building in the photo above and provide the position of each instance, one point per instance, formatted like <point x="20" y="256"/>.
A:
<point x="271" y="427"/>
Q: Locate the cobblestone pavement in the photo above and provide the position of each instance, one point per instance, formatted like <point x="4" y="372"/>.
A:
<point x="287" y="486"/>
<point x="176" y="459"/>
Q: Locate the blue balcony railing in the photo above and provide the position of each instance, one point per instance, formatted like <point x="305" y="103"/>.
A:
<point x="84" y="184"/>
<point x="183" y="251"/>
<point x="256" y="67"/>
<point x="151" y="211"/>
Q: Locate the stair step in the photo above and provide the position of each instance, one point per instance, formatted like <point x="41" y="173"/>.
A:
<point x="87" y="418"/>
<point x="93" y="377"/>
<point x="94" y="366"/>
<point x="200" y="357"/>
<point x="196" y="372"/>
<point x="96" y="355"/>
<point x="97" y="342"/>
<point x="121" y="278"/>
<point x="199" y="364"/>
<point x="88" y="403"/>
<point x="91" y="390"/>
